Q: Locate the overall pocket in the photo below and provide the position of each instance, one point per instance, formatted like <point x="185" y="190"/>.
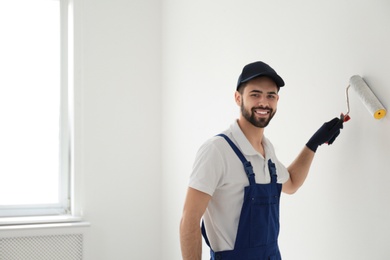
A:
<point x="264" y="220"/>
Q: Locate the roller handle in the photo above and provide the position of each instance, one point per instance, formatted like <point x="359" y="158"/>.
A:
<point x="345" y="117"/>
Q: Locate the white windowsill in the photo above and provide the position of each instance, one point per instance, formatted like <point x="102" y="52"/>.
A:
<point x="12" y="223"/>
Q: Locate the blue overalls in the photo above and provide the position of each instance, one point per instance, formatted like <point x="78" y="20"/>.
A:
<point x="258" y="228"/>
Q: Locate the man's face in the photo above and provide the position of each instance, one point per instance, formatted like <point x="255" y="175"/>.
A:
<point x="259" y="101"/>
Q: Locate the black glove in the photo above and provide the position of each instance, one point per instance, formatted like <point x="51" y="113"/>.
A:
<point x="326" y="134"/>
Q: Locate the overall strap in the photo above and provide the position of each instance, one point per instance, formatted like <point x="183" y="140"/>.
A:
<point x="203" y="229"/>
<point x="247" y="164"/>
<point x="272" y="171"/>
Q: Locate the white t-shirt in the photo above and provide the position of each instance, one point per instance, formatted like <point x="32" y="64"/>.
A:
<point x="219" y="172"/>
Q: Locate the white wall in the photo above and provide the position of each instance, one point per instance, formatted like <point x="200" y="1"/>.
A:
<point x="118" y="126"/>
<point x="149" y="93"/>
<point x="342" y="211"/>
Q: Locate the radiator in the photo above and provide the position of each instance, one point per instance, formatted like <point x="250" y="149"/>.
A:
<point x="47" y="247"/>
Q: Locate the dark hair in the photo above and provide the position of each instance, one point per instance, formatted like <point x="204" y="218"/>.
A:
<point x="241" y="88"/>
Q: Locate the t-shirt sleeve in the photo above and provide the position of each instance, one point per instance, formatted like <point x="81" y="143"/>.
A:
<point x="208" y="168"/>
<point x="283" y="174"/>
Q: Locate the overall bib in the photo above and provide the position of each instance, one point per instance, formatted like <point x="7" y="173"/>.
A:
<point x="258" y="228"/>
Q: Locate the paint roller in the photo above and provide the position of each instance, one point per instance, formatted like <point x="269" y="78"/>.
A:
<point x="371" y="102"/>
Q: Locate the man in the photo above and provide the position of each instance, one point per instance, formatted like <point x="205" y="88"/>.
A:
<point x="237" y="180"/>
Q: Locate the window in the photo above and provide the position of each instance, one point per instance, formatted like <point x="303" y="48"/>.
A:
<point x="34" y="130"/>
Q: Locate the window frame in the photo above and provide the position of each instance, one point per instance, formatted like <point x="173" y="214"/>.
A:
<point x="64" y="206"/>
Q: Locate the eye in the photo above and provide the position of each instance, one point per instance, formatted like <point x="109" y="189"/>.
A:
<point x="271" y="96"/>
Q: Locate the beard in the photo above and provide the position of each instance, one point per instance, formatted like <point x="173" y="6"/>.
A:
<point x="257" y="122"/>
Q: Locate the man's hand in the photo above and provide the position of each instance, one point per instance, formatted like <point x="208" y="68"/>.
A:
<point x="327" y="133"/>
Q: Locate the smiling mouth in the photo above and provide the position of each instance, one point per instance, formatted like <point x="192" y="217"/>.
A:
<point x="261" y="112"/>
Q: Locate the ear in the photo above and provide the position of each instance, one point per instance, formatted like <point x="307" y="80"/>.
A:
<point x="237" y="98"/>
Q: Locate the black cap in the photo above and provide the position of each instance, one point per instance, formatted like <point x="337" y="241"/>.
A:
<point x="258" y="69"/>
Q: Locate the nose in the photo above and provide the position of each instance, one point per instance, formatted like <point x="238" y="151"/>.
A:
<point x="262" y="101"/>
